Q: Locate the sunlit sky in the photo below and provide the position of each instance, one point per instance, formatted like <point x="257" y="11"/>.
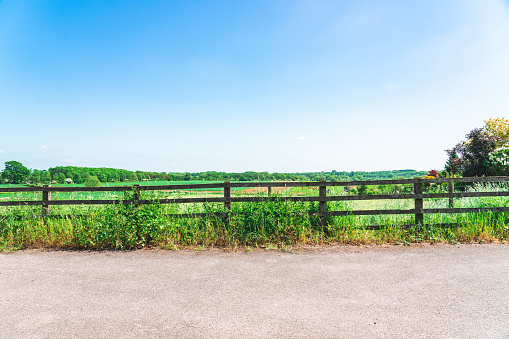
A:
<point x="278" y="86"/>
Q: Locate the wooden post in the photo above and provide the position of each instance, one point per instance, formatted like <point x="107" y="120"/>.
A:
<point x="46" y="196"/>
<point x="227" y="203"/>
<point x="227" y="195"/>
<point x="136" y="194"/>
<point x="451" y="191"/>
<point x="322" y="192"/>
<point x="419" y="204"/>
<point x="269" y="190"/>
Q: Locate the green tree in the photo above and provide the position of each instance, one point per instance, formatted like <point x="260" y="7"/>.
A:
<point x="59" y="177"/>
<point x="15" y="172"/>
<point x="102" y="177"/>
<point x="498" y="161"/>
<point x="92" y="181"/>
<point x="78" y="178"/>
<point x="46" y="177"/>
<point x="35" y="176"/>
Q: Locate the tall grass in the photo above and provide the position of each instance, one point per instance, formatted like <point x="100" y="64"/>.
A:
<point x="269" y="223"/>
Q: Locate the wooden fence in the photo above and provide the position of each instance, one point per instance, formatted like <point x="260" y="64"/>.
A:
<point x="417" y="195"/>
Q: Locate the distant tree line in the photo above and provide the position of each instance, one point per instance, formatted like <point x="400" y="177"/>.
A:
<point x="16" y="173"/>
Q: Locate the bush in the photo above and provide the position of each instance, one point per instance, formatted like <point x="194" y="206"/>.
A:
<point x="498" y="162"/>
<point x="92" y="181"/>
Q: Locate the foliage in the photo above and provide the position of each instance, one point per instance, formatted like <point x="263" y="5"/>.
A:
<point x="107" y="175"/>
<point x="453" y="163"/>
<point x="483" y="151"/>
<point x="15" y="172"/>
<point x="498" y="161"/>
<point x="92" y="181"/>
<point x="276" y="223"/>
<point x="432" y="173"/>
<point x="469" y="157"/>
<point x="498" y="127"/>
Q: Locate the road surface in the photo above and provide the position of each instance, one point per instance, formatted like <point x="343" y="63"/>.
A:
<point x="422" y="291"/>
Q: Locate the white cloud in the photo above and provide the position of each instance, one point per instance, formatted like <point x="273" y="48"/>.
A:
<point x="44" y="147"/>
<point x="1" y="151"/>
<point x="303" y="138"/>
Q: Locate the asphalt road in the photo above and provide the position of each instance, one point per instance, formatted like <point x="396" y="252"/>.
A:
<point x="426" y="291"/>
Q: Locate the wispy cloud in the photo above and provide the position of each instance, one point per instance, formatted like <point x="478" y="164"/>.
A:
<point x="44" y="147"/>
<point x="1" y="151"/>
<point x="303" y="138"/>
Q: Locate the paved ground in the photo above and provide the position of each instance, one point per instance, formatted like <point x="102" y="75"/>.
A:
<point x="431" y="291"/>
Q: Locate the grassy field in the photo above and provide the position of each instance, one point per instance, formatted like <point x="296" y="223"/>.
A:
<point x="271" y="223"/>
<point x="112" y="195"/>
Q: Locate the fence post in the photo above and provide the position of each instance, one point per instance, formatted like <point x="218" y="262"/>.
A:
<point x="227" y="202"/>
<point x="269" y="190"/>
<point x="136" y="194"/>
<point x="419" y="203"/>
<point x="451" y="191"/>
<point x="322" y="192"/>
<point x="46" y="196"/>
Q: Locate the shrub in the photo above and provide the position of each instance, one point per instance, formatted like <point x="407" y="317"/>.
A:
<point x="498" y="162"/>
<point x="92" y="181"/>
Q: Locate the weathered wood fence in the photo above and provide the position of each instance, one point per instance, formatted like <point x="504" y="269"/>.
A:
<point x="417" y="195"/>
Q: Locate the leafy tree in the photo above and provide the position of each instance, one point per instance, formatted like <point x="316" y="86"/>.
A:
<point x="114" y="177"/>
<point x="78" y="178"/>
<point x="15" y="172"/>
<point x="35" y="176"/>
<point x="92" y="181"/>
<point x="473" y="153"/>
<point x="59" y="177"/>
<point x="498" y="161"/>
<point x="46" y="177"/>
<point x="498" y="127"/>
<point x="454" y="163"/>
<point x="102" y="177"/>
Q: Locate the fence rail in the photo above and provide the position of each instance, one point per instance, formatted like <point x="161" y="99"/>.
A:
<point x="418" y="195"/>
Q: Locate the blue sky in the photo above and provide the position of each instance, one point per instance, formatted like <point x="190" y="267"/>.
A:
<point x="287" y="86"/>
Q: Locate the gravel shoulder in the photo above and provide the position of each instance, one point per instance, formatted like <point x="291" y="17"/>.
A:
<point x="424" y="291"/>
